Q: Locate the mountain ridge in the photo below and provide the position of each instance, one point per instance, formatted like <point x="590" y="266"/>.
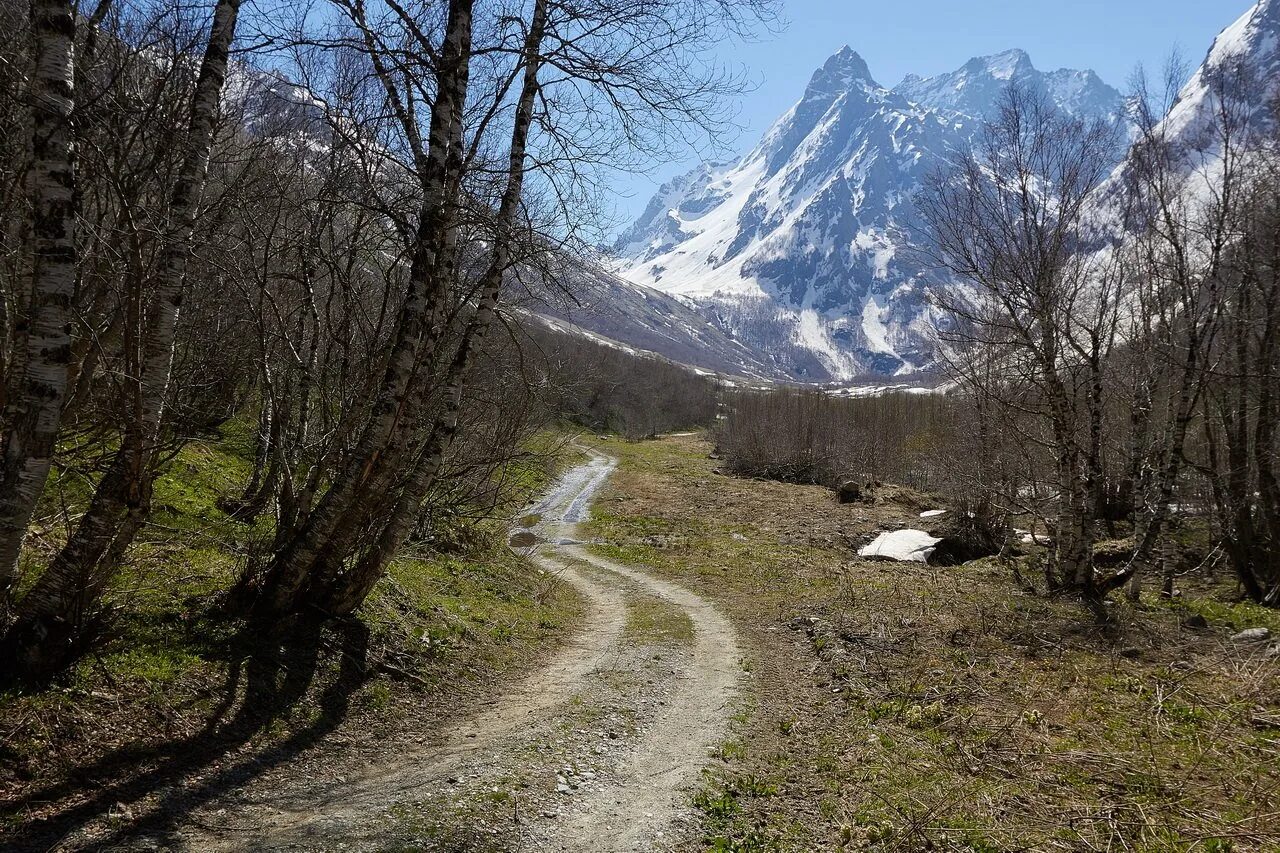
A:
<point x="804" y="243"/>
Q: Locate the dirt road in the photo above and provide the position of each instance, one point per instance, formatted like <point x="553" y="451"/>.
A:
<point x="599" y="750"/>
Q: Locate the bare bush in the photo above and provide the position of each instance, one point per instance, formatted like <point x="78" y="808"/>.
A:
<point x="807" y="436"/>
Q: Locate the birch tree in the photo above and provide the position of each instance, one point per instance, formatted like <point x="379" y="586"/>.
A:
<point x="35" y="411"/>
<point x="1183" y="214"/>
<point x="344" y="594"/>
<point x="1041" y="303"/>
<point x="55" y="616"/>
<point x="614" y="78"/>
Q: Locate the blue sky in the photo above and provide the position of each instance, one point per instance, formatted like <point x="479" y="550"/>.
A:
<point x="930" y="36"/>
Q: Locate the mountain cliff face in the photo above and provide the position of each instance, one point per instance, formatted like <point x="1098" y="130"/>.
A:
<point x="808" y="248"/>
<point x="1251" y="42"/>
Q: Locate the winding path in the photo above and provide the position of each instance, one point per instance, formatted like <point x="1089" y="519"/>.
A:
<point x="654" y="781"/>
<point x="649" y="783"/>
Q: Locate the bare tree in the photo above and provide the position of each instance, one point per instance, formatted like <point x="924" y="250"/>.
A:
<point x="1182" y="213"/>
<point x="1038" y="302"/>
<point x="1241" y="400"/>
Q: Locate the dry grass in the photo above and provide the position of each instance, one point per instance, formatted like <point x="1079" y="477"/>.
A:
<point x="903" y="707"/>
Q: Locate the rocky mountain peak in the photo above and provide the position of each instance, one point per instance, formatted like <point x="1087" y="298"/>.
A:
<point x="974" y="88"/>
<point x="843" y="70"/>
<point x="806" y="249"/>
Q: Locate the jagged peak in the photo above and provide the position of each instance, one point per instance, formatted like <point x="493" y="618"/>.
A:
<point x="1256" y="29"/>
<point x="840" y="72"/>
<point x="972" y="88"/>
<point x="1003" y="65"/>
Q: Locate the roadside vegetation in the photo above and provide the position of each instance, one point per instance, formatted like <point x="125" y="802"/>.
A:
<point x="177" y="687"/>
<point x="899" y="706"/>
<point x="177" y="691"/>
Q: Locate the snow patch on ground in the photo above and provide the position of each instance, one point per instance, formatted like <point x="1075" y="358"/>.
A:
<point x="907" y="546"/>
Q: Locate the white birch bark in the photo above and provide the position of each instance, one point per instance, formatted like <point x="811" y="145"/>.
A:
<point x="37" y="409"/>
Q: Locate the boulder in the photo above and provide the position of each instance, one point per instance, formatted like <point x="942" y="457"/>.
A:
<point x="850" y="492"/>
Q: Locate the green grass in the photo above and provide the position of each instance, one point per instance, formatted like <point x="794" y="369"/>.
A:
<point x="449" y="620"/>
<point x="652" y="620"/>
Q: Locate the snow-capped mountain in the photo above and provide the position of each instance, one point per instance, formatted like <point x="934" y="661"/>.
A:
<point x="808" y="248"/>
<point x="974" y="89"/>
<point x="1252" y="42"/>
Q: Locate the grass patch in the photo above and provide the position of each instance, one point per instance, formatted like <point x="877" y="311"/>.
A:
<point x="442" y="629"/>
<point x="906" y="707"/>
<point x="651" y="620"/>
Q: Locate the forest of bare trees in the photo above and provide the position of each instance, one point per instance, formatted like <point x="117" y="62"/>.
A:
<point x="1121" y="328"/>
<point x="1111" y="353"/>
<point x="314" y="219"/>
<point x="808" y="436"/>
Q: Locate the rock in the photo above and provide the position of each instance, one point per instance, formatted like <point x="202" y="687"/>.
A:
<point x="801" y="623"/>
<point x="849" y="492"/>
<point x="1196" y="622"/>
<point x="1252" y="635"/>
<point x="562" y="788"/>
<point x="524" y="539"/>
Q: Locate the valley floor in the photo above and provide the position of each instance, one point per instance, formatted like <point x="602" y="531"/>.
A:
<point x="739" y="680"/>
<point x="900" y="706"/>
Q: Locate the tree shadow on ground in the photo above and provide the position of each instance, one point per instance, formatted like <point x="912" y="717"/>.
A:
<point x="183" y="774"/>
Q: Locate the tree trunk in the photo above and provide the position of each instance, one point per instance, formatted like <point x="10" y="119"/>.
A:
<point x="288" y="571"/>
<point x="37" y="407"/>
<point x="344" y="594"/>
<point x="54" y="615"/>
